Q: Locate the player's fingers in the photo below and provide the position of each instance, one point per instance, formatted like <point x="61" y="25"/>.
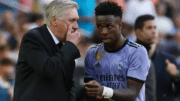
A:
<point x="92" y="94"/>
<point x="91" y="82"/>
<point x="91" y="85"/>
<point x="91" y="89"/>
<point x="99" y="97"/>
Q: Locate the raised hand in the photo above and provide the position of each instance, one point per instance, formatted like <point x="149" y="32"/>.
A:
<point x="73" y="35"/>
<point x="171" y="68"/>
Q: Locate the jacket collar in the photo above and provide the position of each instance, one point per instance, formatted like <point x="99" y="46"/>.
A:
<point x="48" y="38"/>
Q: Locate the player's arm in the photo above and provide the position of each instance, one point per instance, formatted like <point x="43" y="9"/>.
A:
<point x="129" y="94"/>
<point x="94" y="89"/>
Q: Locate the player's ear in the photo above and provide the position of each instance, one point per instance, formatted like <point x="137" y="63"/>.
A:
<point x="120" y="26"/>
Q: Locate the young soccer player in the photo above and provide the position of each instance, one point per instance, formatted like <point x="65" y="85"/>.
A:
<point x="117" y="68"/>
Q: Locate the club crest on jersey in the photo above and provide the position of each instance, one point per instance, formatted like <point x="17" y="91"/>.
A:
<point x="99" y="55"/>
<point x="120" y="65"/>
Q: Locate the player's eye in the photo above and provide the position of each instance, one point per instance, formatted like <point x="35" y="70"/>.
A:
<point x="99" y="27"/>
<point x="109" y="26"/>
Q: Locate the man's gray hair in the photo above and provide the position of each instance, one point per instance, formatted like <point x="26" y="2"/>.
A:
<point x="56" y="8"/>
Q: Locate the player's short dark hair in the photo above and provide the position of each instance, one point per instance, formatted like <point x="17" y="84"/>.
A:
<point x="139" y="23"/>
<point x="108" y="8"/>
<point x="6" y="62"/>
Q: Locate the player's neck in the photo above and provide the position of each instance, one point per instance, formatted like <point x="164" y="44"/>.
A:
<point x="115" y="46"/>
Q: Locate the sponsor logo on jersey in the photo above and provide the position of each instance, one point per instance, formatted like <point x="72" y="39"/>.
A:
<point x="98" y="65"/>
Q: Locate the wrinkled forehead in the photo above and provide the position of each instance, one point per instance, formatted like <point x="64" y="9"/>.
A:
<point x="106" y="18"/>
<point x="72" y="12"/>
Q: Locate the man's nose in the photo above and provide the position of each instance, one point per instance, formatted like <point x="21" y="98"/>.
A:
<point x="154" y="31"/>
<point x="75" y="26"/>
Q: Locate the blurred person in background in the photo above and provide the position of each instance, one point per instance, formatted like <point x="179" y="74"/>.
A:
<point x="46" y="63"/>
<point x="11" y="36"/>
<point x="3" y="40"/>
<point x="4" y="51"/>
<point x="6" y="19"/>
<point x="165" y="64"/>
<point x="170" y="44"/>
<point x="150" y="86"/>
<point x="176" y="20"/>
<point x="4" y="47"/>
<point x="172" y="7"/>
<point x="177" y="52"/>
<point x="6" y="79"/>
<point x="36" y="20"/>
<point x="135" y="8"/>
<point x="164" y="24"/>
<point x="7" y="28"/>
<point x="22" y="24"/>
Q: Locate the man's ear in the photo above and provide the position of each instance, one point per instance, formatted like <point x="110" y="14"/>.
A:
<point x="138" y="32"/>
<point x="53" y="20"/>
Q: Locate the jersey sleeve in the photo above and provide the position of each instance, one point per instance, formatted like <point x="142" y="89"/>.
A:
<point x="139" y="64"/>
<point x="88" y="66"/>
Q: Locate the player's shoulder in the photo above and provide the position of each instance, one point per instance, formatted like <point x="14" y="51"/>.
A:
<point x="95" y="47"/>
<point x="134" y="47"/>
<point x="133" y="44"/>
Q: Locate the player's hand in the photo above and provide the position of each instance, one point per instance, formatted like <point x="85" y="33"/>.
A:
<point x="171" y="68"/>
<point x="93" y="88"/>
<point x="73" y="35"/>
<point x="101" y="98"/>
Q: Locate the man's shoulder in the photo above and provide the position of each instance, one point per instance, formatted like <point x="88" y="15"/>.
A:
<point x="163" y="54"/>
<point x="34" y="33"/>
<point x="31" y="32"/>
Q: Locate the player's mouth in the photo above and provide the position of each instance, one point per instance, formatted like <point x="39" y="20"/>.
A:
<point x="106" y="40"/>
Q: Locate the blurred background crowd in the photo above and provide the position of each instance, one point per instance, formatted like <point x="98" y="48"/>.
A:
<point x="18" y="16"/>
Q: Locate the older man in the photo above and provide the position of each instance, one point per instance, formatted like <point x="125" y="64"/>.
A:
<point x="46" y="59"/>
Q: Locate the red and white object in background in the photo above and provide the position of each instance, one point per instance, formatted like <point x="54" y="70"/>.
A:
<point x="25" y="5"/>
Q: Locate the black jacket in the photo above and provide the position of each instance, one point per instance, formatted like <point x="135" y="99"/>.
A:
<point x="44" y="72"/>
